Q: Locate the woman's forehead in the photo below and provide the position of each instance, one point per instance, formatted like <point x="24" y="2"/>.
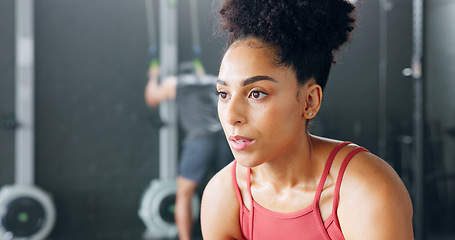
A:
<point x="243" y="59"/>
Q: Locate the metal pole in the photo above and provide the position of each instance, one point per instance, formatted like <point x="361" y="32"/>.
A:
<point x="25" y="82"/>
<point x="418" y="119"/>
<point x="382" y="134"/>
<point x="168" y="109"/>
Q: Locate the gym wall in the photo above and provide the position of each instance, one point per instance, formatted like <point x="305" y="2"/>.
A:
<point x="440" y="112"/>
<point x="95" y="147"/>
<point x="7" y="92"/>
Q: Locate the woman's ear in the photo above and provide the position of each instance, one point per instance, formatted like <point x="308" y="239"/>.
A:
<point x="312" y="101"/>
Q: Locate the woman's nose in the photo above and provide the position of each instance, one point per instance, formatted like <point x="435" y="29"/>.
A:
<point x="234" y="111"/>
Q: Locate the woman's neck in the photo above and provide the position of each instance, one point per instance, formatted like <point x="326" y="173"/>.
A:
<point x="300" y="167"/>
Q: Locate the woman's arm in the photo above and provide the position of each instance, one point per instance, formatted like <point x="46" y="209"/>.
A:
<point x="374" y="203"/>
<point x="155" y="92"/>
<point x="220" y="208"/>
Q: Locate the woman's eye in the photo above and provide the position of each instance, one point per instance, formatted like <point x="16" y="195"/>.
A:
<point x="257" y="94"/>
<point x="222" y="95"/>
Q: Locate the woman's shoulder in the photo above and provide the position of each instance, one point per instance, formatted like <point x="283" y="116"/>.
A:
<point x="220" y="187"/>
<point x="364" y="166"/>
<point x="371" y="195"/>
<point x="368" y="173"/>
<point x="220" y="207"/>
<point x="372" y="175"/>
<point x="365" y="173"/>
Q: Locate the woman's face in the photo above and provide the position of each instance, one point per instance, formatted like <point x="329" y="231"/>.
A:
<point x="259" y="105"/>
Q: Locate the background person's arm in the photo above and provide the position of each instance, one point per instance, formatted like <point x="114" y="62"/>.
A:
<point x="156" y="92"/>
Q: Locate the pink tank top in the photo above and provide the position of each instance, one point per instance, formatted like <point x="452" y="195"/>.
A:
<point x="261" y="223"/>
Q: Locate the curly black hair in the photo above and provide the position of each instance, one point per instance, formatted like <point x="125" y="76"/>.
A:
<point x="305" y="33"/>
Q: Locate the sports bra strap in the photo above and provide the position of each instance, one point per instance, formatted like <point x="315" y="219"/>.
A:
<point x="239" y="196"/>
<point x="336" y="196"/>
<point x="234" y="182"/>
<point x="248" y="184"/>
<point x="326" y="171"/>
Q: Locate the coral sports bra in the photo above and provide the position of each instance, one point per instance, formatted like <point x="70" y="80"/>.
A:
<point x="261" y="223"/>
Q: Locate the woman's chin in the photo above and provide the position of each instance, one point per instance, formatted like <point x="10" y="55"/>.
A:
<point x="247" y="162"/>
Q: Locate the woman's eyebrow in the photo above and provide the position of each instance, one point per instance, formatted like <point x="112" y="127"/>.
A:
<point x="258" y="78"/>
<point x="249" y="80"/>
<point x="221" y="82"/>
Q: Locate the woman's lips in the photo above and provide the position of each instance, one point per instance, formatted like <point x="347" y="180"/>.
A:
<point x="239" y="143"/>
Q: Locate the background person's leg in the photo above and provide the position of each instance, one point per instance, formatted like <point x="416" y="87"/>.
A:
<point x="183" y="211"/>
<point x="194" y="164"/>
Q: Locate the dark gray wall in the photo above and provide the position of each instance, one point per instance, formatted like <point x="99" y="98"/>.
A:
<point x="399" y="87"/>
<point x="95" y="148"/>
<point x="439" y="79"/>
<point x="440" y="72"/>
<point x="6" y="91"/>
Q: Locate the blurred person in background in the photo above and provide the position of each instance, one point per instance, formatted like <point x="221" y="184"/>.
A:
<point x="204" y="146"/>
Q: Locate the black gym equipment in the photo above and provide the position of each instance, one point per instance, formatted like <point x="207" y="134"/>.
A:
<point x="26" y="211"/>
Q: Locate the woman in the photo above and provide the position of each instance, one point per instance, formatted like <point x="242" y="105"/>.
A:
<point x="286" y="183"/>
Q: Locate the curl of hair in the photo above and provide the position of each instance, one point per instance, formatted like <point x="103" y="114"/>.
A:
<point x="306" y="33"/>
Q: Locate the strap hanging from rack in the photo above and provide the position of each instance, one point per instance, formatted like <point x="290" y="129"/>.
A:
<point x="197" y="50"/>
<point x="195" y="28"/>
<point x="151" y="27"/>
<point x="152" y="36"/>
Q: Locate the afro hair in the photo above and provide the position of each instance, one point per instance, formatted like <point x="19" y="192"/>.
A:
<point x="305" y="33"/>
